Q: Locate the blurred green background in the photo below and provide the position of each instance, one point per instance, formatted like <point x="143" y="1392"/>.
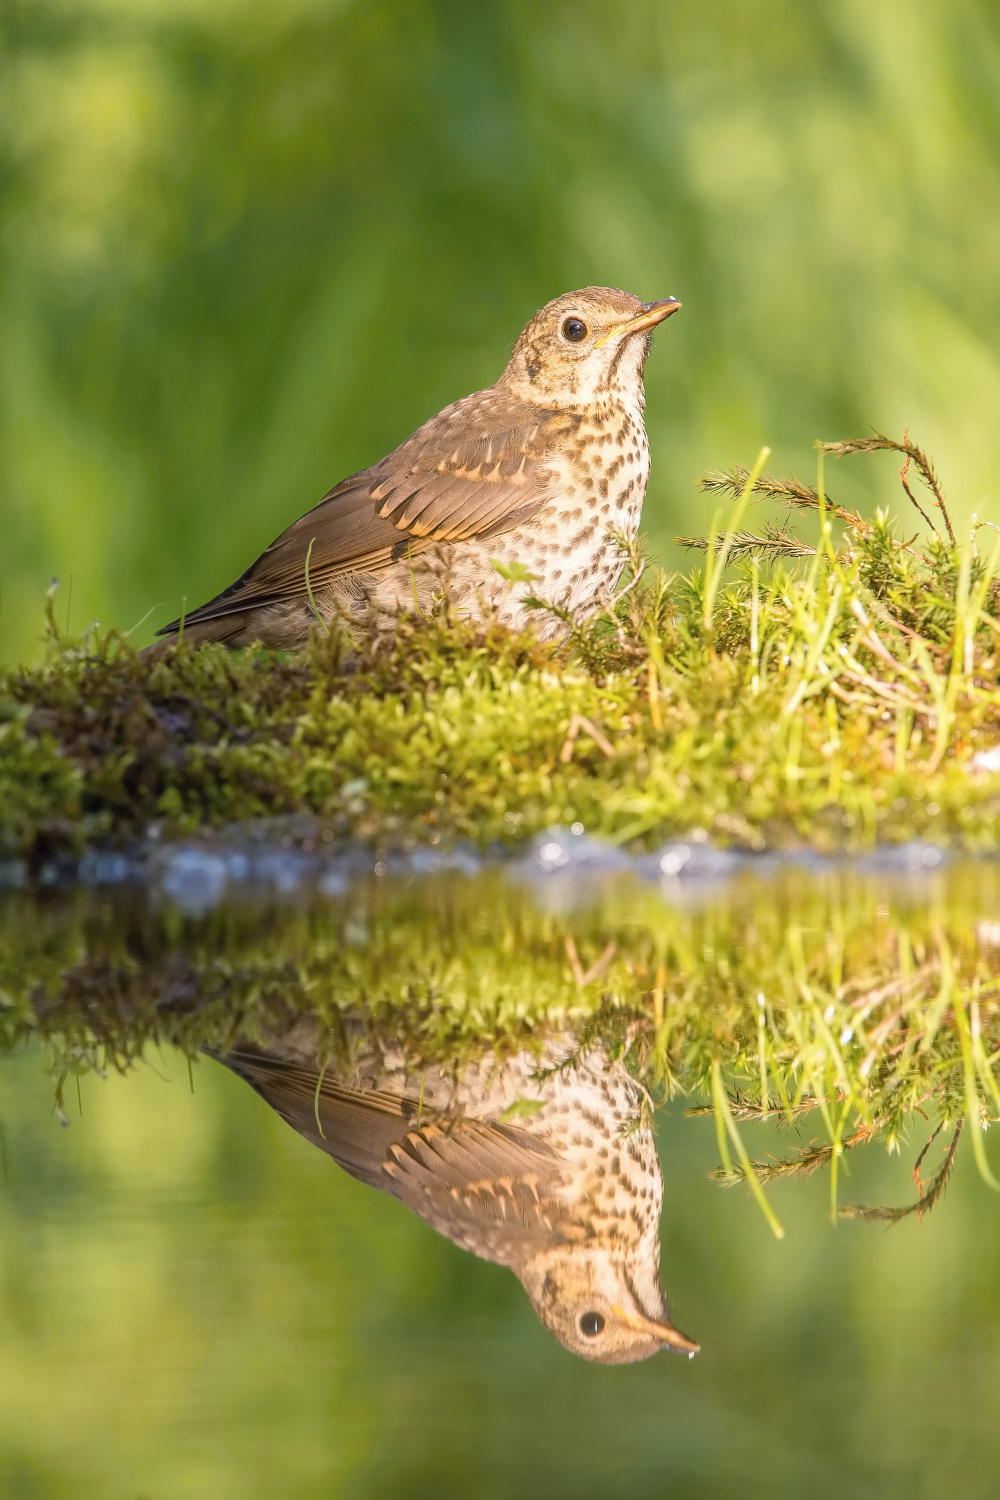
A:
<point x="196" y="1304"/>
<point x="247" y="246"/>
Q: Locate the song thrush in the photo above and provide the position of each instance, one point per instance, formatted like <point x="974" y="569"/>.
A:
<point x="545" y="1165"/>
<point x="535" y="471"/>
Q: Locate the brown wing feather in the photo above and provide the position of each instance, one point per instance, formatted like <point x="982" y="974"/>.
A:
<point x="484" y="1184"/>
<point x="478" y="462"/>
<point x="487" y="1186"/>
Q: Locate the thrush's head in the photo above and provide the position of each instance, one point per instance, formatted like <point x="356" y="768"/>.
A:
<point x="585" y="346"/>
<point x="601" y="1306"/>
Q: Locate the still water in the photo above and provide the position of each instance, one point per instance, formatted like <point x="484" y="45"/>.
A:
<point x="338" y="1174"/>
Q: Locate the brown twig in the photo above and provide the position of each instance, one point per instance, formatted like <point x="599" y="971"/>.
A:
<point x="925" y="1202"/>
<point x="890" y="691"/>
<point x="872" y="639"/>
<point x="584" y="976"/>
<point x="851" y="699"/>
<point x="869" y="998"/>
<point x="917" y="1183"/>
<point x="576" y="723"/>
<point x="912" y="452"/>
<point x="912" y="497"/>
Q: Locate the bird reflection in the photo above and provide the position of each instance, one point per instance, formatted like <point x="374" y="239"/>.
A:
<point x="542" y="1163"/>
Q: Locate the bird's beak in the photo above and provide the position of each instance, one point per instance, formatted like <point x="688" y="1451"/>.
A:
<point x="665" y="1333"/>
<point x="652" y="313"/>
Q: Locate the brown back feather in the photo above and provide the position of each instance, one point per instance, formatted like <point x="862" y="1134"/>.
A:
<point x="479" y="467"/>
<point x="487" y="1185"/>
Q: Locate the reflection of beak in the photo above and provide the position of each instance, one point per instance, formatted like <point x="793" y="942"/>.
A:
<point x="664" y="1332"/>
<point x="652" y="313"/>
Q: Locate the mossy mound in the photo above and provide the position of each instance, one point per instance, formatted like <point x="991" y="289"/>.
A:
<point x="831" y="695"/>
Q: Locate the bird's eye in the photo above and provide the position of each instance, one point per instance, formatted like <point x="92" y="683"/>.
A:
<point x="575" y="329"/>
<point x="591" y="1324"/>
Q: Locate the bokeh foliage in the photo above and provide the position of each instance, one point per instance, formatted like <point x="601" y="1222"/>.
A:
<point x="246" y="248"/>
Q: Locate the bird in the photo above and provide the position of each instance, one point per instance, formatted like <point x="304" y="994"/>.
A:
<point x="511" y="493"/>
<point x="545" y="1164"/>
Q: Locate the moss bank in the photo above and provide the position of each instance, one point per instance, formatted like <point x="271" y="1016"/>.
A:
<point x="833" y="695"/>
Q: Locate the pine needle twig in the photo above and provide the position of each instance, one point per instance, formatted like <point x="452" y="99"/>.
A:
<point x="912" y="453"/>
<point x="925" y="1202"/>
<point x="731" y="482"/>
<point x="801" y="1163"/>
<point x="776" y="541"/>
<point x="797" y="496"/>
<point x="748" y="1109"/>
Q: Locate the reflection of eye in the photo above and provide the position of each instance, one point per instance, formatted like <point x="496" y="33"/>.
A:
<point x="591" y="1324"/>
<point x="575" y="330"/>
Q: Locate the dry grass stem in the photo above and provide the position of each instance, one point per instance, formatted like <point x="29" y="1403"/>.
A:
<point x="577" y="723"/>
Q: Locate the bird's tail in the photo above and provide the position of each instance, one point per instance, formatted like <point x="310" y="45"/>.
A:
<point x="197" y="632"/>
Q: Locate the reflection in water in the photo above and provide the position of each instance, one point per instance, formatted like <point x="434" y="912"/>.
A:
<point x="545" y="1164"/>
<point x="859" y="1003"/>
<point x="307" y="1343"/>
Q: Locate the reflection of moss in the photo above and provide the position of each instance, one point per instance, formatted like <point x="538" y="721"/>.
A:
<point x="834" y="707"/>
<point x="840" y="997"/>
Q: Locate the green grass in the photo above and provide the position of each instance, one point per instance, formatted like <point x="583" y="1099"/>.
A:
<point x="830" y="694"/>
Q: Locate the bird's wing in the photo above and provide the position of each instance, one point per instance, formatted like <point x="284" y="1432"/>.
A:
<point x="482" y="466"/>
<point x="487" y="1185"/>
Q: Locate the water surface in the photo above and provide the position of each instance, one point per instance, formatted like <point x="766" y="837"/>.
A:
<point x="197" y="1301"/>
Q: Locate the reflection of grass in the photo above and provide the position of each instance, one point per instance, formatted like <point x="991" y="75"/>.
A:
<point x="868" y="1009"/>
<point x="838" y="702"/>
<point x="872" y="1021"/>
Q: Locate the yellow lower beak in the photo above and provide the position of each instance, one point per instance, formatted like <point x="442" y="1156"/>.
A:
<point x="664" y="1332"/>
<point x="652" y="313"/>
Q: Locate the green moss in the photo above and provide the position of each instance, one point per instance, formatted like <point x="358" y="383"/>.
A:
<point x="834" y="699"/>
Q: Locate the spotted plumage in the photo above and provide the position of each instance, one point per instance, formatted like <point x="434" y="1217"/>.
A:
<point x="546" y="1165"/>
<point x="537" y="470"/>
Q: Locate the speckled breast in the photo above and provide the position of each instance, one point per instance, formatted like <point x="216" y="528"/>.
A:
<point x="600" y="486"/>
